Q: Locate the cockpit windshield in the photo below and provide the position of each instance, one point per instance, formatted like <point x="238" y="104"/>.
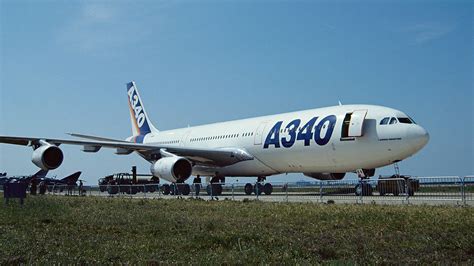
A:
<point x="385" y="121"/>
<point x="404" y="120"/>
<point x="394" y="120"/>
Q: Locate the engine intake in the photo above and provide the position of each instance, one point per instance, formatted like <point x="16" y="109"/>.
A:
<point x="47" y="157"/>
<point x="326" y="176"/>
<point x="173" y="169"/>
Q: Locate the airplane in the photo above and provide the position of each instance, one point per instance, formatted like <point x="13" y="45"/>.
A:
<point x="23" y="179"/>
<point x="70" y="180"/>
<point x="323" y="143"/>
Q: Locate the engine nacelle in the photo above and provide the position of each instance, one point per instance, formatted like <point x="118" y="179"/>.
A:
<point x="173" y="169"/>
<point x="326" y="176"/>
<point x="47" y="157"/>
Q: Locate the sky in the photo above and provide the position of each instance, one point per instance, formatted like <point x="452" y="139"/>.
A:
<point x="64" y="66"/>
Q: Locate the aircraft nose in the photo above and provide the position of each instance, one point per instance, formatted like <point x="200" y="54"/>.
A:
<point x="420" y="137"/>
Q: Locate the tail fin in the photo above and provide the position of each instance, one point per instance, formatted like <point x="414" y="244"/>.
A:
<point x="40" y="174"/>
<point x="141" y="124"/>
<point x="71" y="179"/>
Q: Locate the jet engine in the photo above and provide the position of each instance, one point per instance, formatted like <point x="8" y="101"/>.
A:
<point x="326" y="176"/>
<point x="173" y="169"/>
<point x="47" y="156"/>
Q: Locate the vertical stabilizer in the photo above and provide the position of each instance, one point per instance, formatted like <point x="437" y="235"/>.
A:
<point x="141" y="124"/>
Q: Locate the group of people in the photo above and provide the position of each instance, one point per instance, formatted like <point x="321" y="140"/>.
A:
<point x="43" y="187"/>
<point x="34" y="187"/>
<point x="197" y="187"/>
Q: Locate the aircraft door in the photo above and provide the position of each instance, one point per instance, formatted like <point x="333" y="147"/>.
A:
<point x="357" y="122"/>
<point x="184" y="139"/>
<point x="259" y="133"/>
<point x="353" y="124"/>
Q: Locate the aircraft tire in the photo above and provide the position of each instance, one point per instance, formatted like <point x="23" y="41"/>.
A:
<point x="268" y="189"/>
<point x="165" y="189"/>
<point x="248" y="189"/>
<point x="184" y="189"/>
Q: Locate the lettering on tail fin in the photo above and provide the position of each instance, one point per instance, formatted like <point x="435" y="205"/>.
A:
<point x="137" y="111"/>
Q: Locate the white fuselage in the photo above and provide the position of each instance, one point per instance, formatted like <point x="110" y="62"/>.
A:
<point x="379" y="145"/>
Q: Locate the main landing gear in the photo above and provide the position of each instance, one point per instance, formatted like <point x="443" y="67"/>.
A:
<point x="215" y="186"/>
<point x="176" y="189"/>
<point x="259" y="187"/>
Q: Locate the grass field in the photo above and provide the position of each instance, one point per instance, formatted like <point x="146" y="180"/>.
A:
<point x="58" y="229"/>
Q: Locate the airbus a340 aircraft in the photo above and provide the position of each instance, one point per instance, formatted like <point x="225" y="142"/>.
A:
<point x="322" y="143"/>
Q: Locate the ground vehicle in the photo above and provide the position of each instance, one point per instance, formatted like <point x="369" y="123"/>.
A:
<point x="129" y="183"/>
<point x="397" y="184"/>
<point x="134" y="183"/>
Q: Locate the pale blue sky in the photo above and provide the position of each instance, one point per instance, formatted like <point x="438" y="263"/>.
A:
<point x="64" y="65"/>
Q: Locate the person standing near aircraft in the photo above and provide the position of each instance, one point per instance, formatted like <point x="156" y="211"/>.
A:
<point x="33" y="187"/>
<point x="42" y="188"/>
<point x="80" y="187"/>
<point x="197" y="184"/>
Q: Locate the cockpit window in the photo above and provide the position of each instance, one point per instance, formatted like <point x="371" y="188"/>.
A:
<point x="393" y="120"/>
<point x="405" y="120"/>
<point x="385" y="121"/>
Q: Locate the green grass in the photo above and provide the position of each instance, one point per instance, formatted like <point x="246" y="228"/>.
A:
<point x="59" y="229"/>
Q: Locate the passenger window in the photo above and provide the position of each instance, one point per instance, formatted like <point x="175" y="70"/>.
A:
<point x="385" y="121"/>
<point x="393" y="120"/>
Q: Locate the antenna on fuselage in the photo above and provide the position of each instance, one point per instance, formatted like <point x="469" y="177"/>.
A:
<point x="340" y="104"/>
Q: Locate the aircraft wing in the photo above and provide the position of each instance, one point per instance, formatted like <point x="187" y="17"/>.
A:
<point x="213" y="157"/>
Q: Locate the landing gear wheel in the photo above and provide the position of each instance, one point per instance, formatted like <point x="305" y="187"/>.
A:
<point x="184" y="189"/>
<point x="165" y="189"/>
<point x="268" y="189"/>
<point x="258" y="189"/>
<point x="248" y="189"/>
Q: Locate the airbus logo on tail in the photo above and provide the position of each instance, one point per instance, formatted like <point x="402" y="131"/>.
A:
<point x="136" y="106"/>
